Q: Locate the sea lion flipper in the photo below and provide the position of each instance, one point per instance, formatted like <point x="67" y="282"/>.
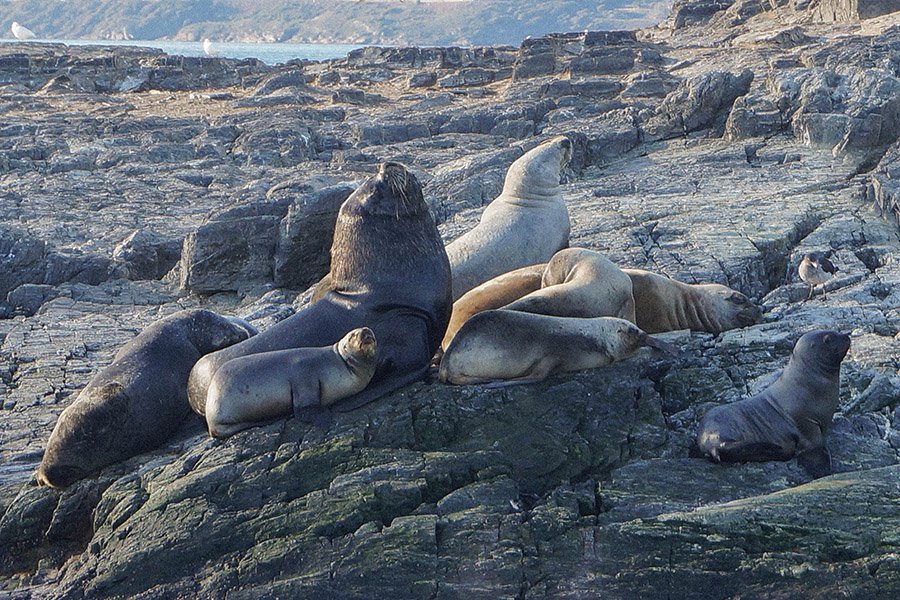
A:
<point x="511" y="382"/>
<point x="816" y="462"/>
<point x="756" y="451"/>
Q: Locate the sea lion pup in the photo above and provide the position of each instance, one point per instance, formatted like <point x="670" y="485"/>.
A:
<point x="251" y="389"/>
<point x="389" y="272"/>
<point x="662" y="304"/>
<point x="526" y="224"/>
<point x="578" y="282"/>
<point x="518" y="347"/>
<point x="139" y="400"/>
<point x="496" y="293"/>
<point x="789" y="417"/>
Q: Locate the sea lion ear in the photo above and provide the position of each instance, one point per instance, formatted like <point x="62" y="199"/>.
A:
<point x="738" y="298"/>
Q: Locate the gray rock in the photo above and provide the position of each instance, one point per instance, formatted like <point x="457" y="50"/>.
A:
<point x="233" y="250"/>
<point x="302" y="252"/>
<point x="698" y="103"/>
<point x="28" y="298"/>
<point x="22" y="258"/>
<point x="145" y="255"/>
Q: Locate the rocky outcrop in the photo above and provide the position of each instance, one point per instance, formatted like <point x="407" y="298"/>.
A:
<point x="714" y="153"/>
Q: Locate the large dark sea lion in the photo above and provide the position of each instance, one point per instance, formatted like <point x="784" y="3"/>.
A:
<point x="518" y="347"/>
<point x="389" y="272"/>
<point x="137" y="402"/>
<point x="662" y="304"/>
<point x="789" y="417"/>
<point x="526" y="224"/>
<point x="249" y="390"/>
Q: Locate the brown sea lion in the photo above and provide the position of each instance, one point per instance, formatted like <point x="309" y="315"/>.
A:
<point x="578" y="282"/>
<point x="789" y="417"/>
<point x="251" y="389"/>
<point x="511" y="346"/>
<point x="526" y="224"/>
<point x="138" y="401"/>
<point x="662" y="304"/>
<point x="496" y="293"/>
<point x="389" y="272"/>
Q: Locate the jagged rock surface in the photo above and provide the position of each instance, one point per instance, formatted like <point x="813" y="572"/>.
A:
<point x="581" y="485"/>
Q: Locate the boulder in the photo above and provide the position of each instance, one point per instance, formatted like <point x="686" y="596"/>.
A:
<point x="302" y="252"/>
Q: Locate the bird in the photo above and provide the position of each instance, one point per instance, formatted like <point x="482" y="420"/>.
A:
<point x="21" y="32"/>
<point x="814" y="269"/>
<point x="208" y="48"/>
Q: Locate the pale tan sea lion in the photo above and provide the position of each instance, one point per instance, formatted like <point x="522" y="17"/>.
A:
<point x="496" y="293"/>
<point x="662" y="304"/>
<point x="389" y="272"/>
<point x="138" y="401"/>
<point x="526" y="224"/>
<point x="790" y="416"/>
<point x="578" y="282"/>
<point x="270" y="385"/>
<point x="511" y="346"/>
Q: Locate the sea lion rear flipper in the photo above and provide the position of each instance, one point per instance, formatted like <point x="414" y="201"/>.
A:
<point x="816" y="462"/>
<point x="751" y="451"/>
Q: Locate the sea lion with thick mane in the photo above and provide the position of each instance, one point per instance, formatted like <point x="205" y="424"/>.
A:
<point x="662" y="304"/>
<point x="789" y="417"/>
<point x="252" y="389"/>
<point x="138" y="401"/>
<point x="578" y="282"/>
<point x="389" y="272"/>
<point x="526" y="224"/>
<point x="516" y="347"/>
<point x="496" y="293"/>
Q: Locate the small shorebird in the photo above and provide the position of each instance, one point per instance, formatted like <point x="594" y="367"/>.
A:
<point x="814" y="269"/>
<point x="22" y="33"/>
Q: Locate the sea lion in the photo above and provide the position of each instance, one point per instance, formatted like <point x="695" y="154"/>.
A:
<point x="578" y="282"/>
<point x="662" y="304"/>
<point x="389" y="272"/>
<point x="518" y="347"/>
<point x="250" y="389"/>
<point x="789" y="417"/>
<point x="496" y="293"/>
<point x="526" y="224"/>
<point x="139" y="400"/>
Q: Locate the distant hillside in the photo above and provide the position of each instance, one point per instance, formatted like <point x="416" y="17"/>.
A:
<point x="422" y="22"/>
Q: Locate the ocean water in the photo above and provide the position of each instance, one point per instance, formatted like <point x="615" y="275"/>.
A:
<point x="271" y="54"/>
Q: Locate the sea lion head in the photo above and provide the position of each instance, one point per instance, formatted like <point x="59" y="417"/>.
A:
<point x="538" y="171"/>
<point x="730" y="309"/>
<point x="823" y="349"/>
<point x="393" y="192"/>
<point x="245" y="325"/>
<point x="359" y="349"/>
<point x="88" y="435"/>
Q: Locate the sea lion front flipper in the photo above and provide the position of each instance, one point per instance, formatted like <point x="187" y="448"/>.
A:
<point x="502" y="383"/>
<point x="751" y="451"/>
<point x="816" y="461"/>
